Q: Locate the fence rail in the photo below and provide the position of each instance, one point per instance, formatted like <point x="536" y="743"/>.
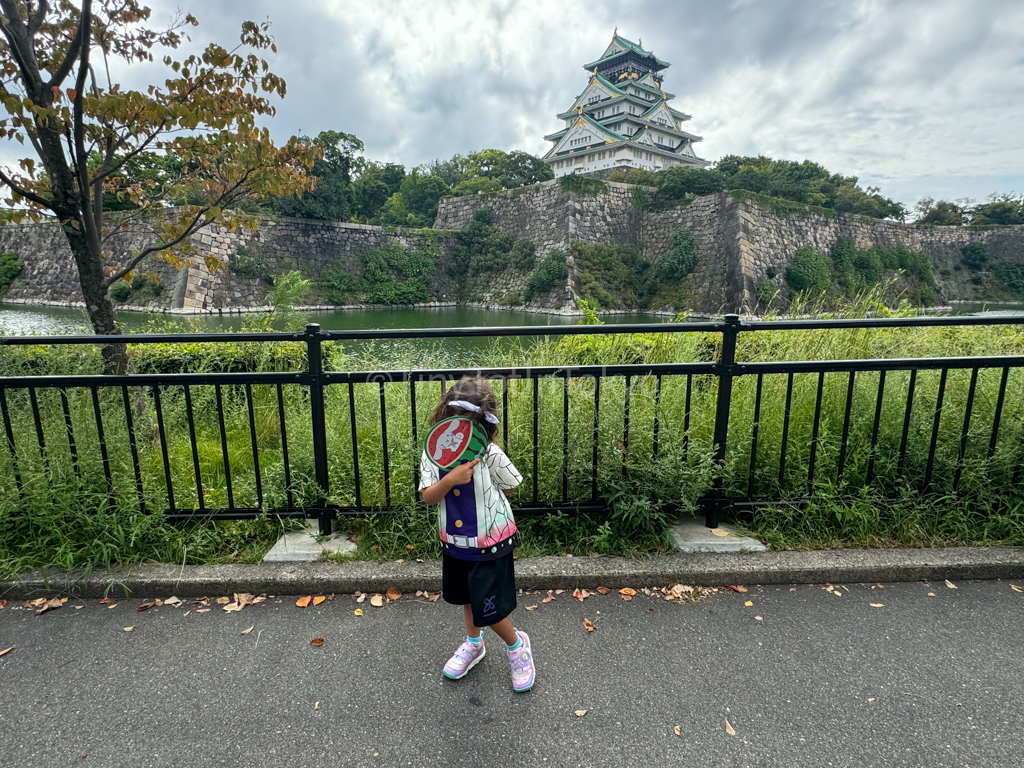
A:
<point x="321" y="443"/>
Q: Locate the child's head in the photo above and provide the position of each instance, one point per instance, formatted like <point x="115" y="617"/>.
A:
<point x="470" y="390"/>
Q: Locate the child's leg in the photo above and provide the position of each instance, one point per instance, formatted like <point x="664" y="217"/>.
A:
<point x="471" y="629"/>
<point x="503" y="628"/>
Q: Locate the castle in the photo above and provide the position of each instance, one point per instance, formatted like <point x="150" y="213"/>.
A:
<point x="622" y="118"/>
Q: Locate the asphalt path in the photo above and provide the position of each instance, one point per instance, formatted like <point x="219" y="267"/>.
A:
<point x="933" y="677"/>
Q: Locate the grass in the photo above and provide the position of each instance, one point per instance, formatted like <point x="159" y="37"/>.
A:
<point x="66" y="516"/>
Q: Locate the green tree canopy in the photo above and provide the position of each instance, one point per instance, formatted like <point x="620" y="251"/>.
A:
<point x="942" y="213"/>
<point x="332" y="198"/>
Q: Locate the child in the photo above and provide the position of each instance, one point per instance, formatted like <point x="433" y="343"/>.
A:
<point x="478" y="535"/>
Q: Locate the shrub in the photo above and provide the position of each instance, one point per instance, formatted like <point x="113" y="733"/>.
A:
<point x="1011" y="275"/>
<point x="678" y="182"/>
<point x="483" y="247"/>
<point x="681" y="260"/>
<point x="977" y="279"/>
<point x="120" y="291"/>
<point x="809" y="271"/>
<point x="249" y="263"/>
<point x="767" y="290"/>
<point x="585" y="185"/>
<point x="551" y="272"/>
<point x="771" y="272"/>
<point x="973" y="256"/>
<point x="10" y="268"/>
<point x="612" y="274"/>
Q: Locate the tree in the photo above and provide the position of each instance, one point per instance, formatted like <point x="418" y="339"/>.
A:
<point x="1000" y="210"/>
<point x="84" y="130"/>
<point x="502" y="169"/>
<point x="332" y="198"/>
<point x="420" y="193"/>
<point x="374" y="185"/>
<point x="942" y="213"/>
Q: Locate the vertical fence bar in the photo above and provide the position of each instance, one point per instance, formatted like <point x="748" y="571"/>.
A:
<point x="416" y="441"/>
<point x="65" y="407"/>
<point x="536" y="436"/>
<point x="814" y="433"/>
<point x="9" y="431"/>
<point x="906" y="423"/>
<point x="255" y="446"/>
<point x="751" y="473"/>
<point x="845" y="440"/>
<point x="195" y="446"/>
<point x="384" y="440"/>
<point x="103" y="446"/>
<point x="874" y="429"/>
<point x="355" y="444"/>
<point x="504" y="412"/>
<point x="686" y="415"/>
<point x="997" y="418"/>
<point x="785" y="430"/>
<point x="133" y="446"/>
<point x="730" y="330"/>
<point x="625" y="428"/>
<point x="224" y="445"/>
<point x="40" y="439"/>
<point x="597" y="437"/>
<point x="161" y="432"/>
<point x="315" y="370"/>
<point x="966" y="429"/>
<point x="657" y="417"/>
<point x="935" y="430"/>
<point x="565" y="439"/>
<point x="284" y="449"/>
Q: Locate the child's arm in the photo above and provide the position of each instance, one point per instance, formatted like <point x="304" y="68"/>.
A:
<point x="461" y="475"/>
<point x="503" y="472"/>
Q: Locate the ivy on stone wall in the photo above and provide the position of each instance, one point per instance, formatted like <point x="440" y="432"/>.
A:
<point x="391" y="274"/>
<point x="585" y="185"/>
<point x="1010" y="274"/>
<point x="551" y="272"/>
<point x="613" y="275"/>
<point x="10" y="268"/>
<point x="252" y="261"/>
<point x="483" y="248"/>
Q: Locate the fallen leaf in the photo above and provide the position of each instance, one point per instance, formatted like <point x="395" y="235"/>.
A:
<point x="580" y="712"/>
<point x="302" y="602"/>
<point x="579" y="594"/>
<point x="737" y="588"/>
<point x="129" y="629"/>
<point x="173" y="602"/>
<point x="759" y="618"/>
<point x="548" y="598"/>
<point x="112" y="606"/>
<point x="1014" y="587"/>
<point x="681" y="589"/>
<point x="144" y="607"/>
<point x="186" y="613"/>
<point x="603" y="590"/>
<point x="244" y="599"/>
<point x="360" y="598"/>
<point x="400" y="560"/>
<point x="559" y="591"/>
<point x="729" y="729"/>
<point x="878" y="605"/>
<point x="5" y="651"/>
<point x="719" y="532"/>
<point x="392" y="594"/>
<point x="223" y="600"/>
<point x="316" y="642"/>
<point x="158" y="602"/>
<point x="232" y="608"/>
<point x="247" y="631"/>
<point x="376" y="601"/>
<point x="203" y="610"/>
<point x="104" y="601"/>
<point x="531" y="607"/>
<point x="872" y="699"/>
<point x="410" y="547"/>
<point x="50" y="605"/>
<point x="358" y="611"/>
<point x="678" y="730"/>
<point x="627" y="598"/>
<point x="316" y="706"/>
<point x="931" y="594"/>
<point x="792" y="589"/>
<point x="330" y="596"/>
<point x="627" y="591"/>
<point x="434" y="597"/>
<point x="950" y="584"/>
<point x="203" y="601"/>
<point x="588" y="625"/>
<point x="3" y="603"/>
<point x="63" y="600"/>
<point x="419" y="593"/>
<point x="36" y="603"/>
<point x="319" y="599"/>
<point x="748" y="603"/>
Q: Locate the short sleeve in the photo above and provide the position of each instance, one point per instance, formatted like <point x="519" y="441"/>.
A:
<point x="503" y="472"/>
<point x="429" y="474"/>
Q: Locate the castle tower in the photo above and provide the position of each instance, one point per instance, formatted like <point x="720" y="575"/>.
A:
<point x="622" y="118"/>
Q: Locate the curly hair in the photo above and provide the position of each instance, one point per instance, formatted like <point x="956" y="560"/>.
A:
<point x="472" y="390"/>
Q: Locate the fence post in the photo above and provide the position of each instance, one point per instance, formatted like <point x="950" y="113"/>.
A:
<point x="314" y="365"/>
<point x="722" y="408"/>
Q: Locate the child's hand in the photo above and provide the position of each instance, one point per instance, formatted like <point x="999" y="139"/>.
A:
<point x="463" y="473"/>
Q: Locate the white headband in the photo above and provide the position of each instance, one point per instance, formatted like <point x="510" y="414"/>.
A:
<point x="473" y="407"/>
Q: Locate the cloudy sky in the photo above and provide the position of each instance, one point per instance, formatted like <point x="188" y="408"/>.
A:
<point x="919" y="97"/>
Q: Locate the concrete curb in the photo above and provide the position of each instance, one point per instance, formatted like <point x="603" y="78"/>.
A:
<point x="837" y="566"/>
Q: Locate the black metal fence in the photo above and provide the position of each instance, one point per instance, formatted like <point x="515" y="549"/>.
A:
<point x="323" y="443"/>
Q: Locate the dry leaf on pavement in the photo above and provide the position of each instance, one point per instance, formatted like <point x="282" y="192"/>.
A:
<point x="748" y="603"/>
<point x="719" y="532"/>
<point x="201" y="610"/>
<point x="3" y="603"/>
<point x="145" y="607"/>
<point x="223" y="600"/>
<point x="244" y="599"/>
<point x="302" y="602"/>
<point x="759" y="618"/>
<point x="316" y="642"/>
<point x="392" y="594"/>
<point x="358" y="611"/>
<point x="603" y="590"/>
<point x="434" y="597"/>
<point x="172" y="601"/>
<point x="112" y="606"/>
<point x="729" y="729"/>
<point x="104" y="601"/>
<point x="531" y="607"/>
<point x="376" y="601"/>
<point x="129" y="629"/>
<point x="548" y="598"/>
<point x="360" y="598"/>
<point x="232" y="608"/>
<point x="1014" y="587"/>
<point x="588" y="625"/>
<point x="678" y="730"/>
<point x="580" y="594"/>
<point x="580" y="712"/>
<point x="950" y="584"/>
<point x="5" y="651"/>
<point x="627" y="591"/>
<point x="247" y="631"/>
<point x="318" y="599"/>
<point x="737" y="588"/>
<point x="878" y="605"/>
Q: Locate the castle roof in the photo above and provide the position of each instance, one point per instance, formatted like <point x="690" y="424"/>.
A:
<point x="620" y="46"/>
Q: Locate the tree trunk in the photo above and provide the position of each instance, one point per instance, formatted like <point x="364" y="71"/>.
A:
<point x="97" y="301"/>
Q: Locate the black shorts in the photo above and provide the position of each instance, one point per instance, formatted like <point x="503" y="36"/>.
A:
<point x="488" y="586"/>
